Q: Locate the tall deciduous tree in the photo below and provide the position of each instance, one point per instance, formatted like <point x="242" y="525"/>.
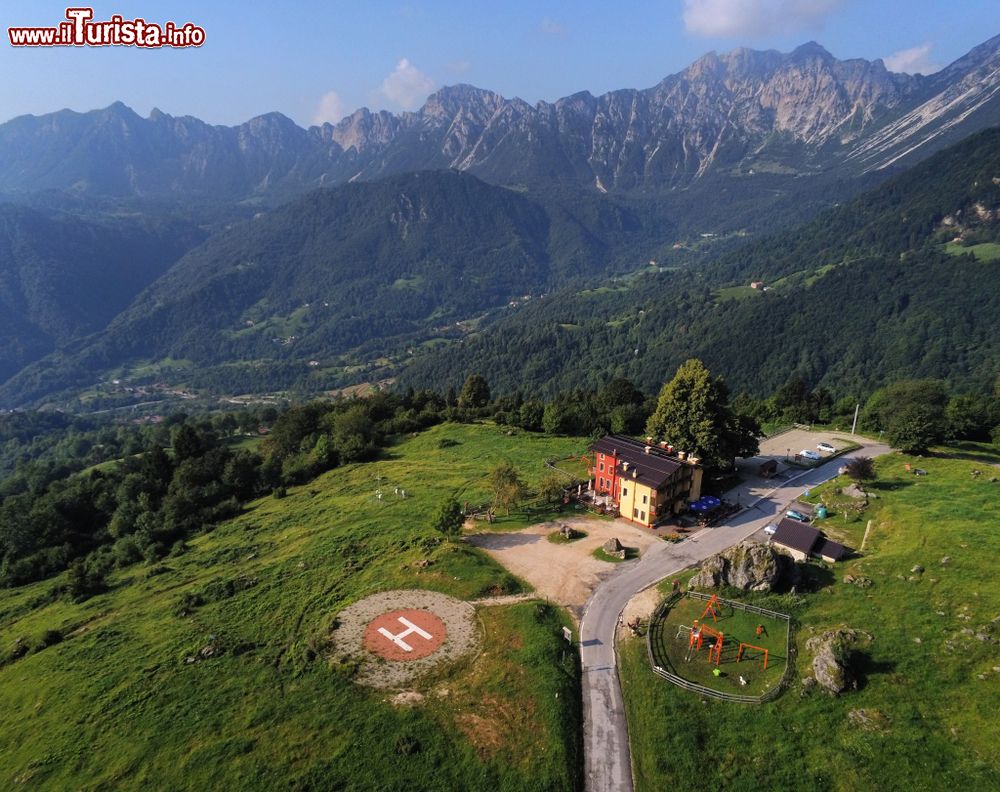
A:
<point x="475" y="392"/>
<point x="693" y="414"/>
<point x="506" y="485"/>
<point x="450" y="519"/>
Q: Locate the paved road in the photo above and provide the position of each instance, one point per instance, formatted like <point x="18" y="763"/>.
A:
<point x="607" y="761"/>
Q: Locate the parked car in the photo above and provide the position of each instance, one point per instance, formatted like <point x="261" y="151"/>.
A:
<point x="807" y="454"/>
<point x="826" y="448"/>
<point x="770" y="530"/>
<point x="796" y="515"/>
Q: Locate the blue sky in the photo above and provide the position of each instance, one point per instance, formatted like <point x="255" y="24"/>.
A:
<point x="320" y="60"/>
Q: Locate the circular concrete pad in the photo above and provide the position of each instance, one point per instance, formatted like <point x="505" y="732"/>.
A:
<point x="399" y="635"/>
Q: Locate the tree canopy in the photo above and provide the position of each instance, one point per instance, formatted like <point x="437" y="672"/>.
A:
<point x="693" y="414"/>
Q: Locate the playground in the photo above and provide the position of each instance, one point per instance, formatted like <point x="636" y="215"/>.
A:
<point x="720" y="645"/>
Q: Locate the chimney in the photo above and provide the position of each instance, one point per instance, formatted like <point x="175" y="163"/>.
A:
<point x="625" y="466"/>
<point x="663" y="444"/>
<point x="649" y="440"/>
<point x="694" y="460"/>
<point x="682" y="455"/>
<point x="670" y="449"/>
<point x="648" y="449"/>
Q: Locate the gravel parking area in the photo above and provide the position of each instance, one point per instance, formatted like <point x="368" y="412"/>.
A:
<point x="565" y="574"/>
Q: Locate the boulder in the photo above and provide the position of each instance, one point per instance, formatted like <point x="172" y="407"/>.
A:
<point x="832" y="652"/>
<point x="748" y="567"/>
<point x="568" y="532"/>
<point x="614" y="548"/>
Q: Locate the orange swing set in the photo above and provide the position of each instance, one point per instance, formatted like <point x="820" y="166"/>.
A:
<point x="743" y="646"/>
<point x="710" y="608"/>
<point x="697" y="638"/>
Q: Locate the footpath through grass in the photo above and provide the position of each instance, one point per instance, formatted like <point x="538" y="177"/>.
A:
<point x="928" y="687"/>
<point x="116" y="705"/>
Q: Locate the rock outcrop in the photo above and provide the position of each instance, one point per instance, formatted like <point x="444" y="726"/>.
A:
<point x="749" y="567"/>
<point x="832" y="658"/>
<point x="614" y="548"/>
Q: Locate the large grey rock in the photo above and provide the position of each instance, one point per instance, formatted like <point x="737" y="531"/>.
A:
<point x="748" y="567"/>
<point x="614" y="548"/>
<point x="832" y="658"/>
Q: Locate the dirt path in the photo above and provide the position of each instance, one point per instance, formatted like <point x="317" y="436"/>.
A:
<point x="565" y="574"/>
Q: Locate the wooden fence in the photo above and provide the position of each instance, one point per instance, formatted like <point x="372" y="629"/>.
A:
<point x="694" y="687"/>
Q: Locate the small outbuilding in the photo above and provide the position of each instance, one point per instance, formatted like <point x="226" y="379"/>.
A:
<point x="802" y="542"/>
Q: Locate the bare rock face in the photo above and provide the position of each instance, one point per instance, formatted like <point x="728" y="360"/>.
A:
<point x="748" y="567"/>
<point x="832" y="658"/>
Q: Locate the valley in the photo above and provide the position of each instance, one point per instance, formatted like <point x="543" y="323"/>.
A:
<point x="414" y="435"/>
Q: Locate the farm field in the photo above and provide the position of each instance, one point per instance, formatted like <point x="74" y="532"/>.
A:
<point x="214" y="669"/>
<point x="985" y="251"/>
<point x="924" y="714"/>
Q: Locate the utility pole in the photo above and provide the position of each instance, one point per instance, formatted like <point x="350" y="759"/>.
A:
<point x="855" y="424"/>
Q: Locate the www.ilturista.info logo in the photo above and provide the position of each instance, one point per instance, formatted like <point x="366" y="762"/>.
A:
<point x="79" y="30"/>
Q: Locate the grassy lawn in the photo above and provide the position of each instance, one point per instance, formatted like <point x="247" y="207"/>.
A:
<point x="927" y="680"/>
<point x="985" y="251"/>
<point x="115" y="705"/>
<point x="670" y="648"/>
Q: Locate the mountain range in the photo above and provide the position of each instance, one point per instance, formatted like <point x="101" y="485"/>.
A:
<point x="316" y="258"/>
<point x="739" y="113"/>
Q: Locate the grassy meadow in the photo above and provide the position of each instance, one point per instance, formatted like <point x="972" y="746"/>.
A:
<point x="930" y="682"/>
<point x="118" y="704"/>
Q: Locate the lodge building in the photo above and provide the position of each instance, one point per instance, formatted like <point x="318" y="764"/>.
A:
<point x="647" y="482"/>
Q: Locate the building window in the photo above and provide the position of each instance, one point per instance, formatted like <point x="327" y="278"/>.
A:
<point x="602" y="482"/>
<point x="602" y="456"/>
<point x="645" y="500"/>
<point x="642" y="516"/>
<point x="624" y="492"/>
<point x="601" y="466"/>
<point x="635" y="513"/>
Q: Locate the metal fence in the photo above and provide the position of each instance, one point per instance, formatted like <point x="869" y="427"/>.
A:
<point x="694" y="687"/>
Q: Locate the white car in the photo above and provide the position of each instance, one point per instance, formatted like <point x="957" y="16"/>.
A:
<point x="770" y="530"/>
<point x="807" y="454"/>
<point x="826" y="448"/>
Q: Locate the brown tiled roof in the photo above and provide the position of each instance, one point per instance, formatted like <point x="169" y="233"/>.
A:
<point x="796" y="535"/>
<point x="650" y="469"/>
<point x="830" y="549"/>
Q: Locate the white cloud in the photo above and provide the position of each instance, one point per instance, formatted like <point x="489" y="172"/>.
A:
<point x="330" y="109"/>
<point x="407" y="86"/>
<point x="915" y="60"/>
<point x="552" y="28"/>
<point x="754" y="18"/>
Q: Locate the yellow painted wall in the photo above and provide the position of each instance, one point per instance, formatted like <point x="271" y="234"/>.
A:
<point x="631" y="499"/>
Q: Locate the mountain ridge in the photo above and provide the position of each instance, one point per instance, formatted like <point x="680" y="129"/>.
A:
<point x="805" y="111"/>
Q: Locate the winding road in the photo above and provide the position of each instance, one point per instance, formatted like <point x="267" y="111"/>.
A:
<point x="608" y="766"/>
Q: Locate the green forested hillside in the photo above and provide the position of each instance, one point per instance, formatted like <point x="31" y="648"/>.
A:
<point x="863" y="295"/>
<point x="64" y="276"/>
<point x="372" y="263"/>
